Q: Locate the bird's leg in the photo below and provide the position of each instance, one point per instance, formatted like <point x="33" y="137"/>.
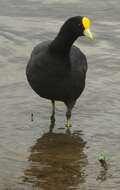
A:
<point x="68" y="113"/>
<point x="52" y="124"/>
<point x="53" y="111"/>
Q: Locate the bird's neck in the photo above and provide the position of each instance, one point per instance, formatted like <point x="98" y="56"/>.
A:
<point x="62" y="43"/>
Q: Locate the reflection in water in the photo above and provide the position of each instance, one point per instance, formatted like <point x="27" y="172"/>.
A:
<point x="103" y="173"/>
<point x="102" y="176"/>
<point x="56" y="160"/>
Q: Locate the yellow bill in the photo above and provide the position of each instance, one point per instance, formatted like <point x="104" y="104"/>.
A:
<point x="86" y="24"/>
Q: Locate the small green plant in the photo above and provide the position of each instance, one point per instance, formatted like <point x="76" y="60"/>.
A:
<point x="102" y="159"/>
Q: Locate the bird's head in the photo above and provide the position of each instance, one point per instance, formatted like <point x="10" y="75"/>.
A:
<point x="79" y="26"/>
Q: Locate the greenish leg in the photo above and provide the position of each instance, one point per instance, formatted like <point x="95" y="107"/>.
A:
<point x="53" y="111"/>
<point x="68" y="123"/>
<point x="68" y="115"/>
<point x="53" y="107"/>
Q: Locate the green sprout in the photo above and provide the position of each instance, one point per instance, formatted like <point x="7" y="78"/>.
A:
<point x="102" y="159"/>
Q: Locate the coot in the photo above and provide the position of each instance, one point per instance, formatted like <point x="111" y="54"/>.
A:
<point x="57" y="69"/>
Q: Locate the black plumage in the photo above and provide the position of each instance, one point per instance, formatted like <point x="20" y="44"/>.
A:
<point x="57" y="69"/>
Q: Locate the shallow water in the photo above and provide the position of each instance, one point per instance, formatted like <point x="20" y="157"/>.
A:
<point x="32" y="154"/>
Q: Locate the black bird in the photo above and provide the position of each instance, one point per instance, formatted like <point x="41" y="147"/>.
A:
<point x="57" y="69"/>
